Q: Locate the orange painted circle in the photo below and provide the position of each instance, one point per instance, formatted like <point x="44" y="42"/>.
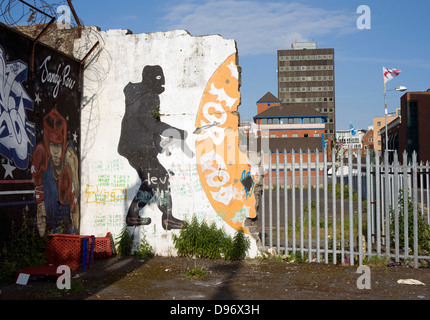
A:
<point x="221" y="166"/>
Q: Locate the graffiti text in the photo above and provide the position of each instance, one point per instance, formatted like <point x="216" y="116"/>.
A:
<point x="58" y="78"/>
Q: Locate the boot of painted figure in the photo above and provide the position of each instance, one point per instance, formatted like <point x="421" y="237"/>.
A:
<point x="141" y="199"/>
<point x="168" y="221"/>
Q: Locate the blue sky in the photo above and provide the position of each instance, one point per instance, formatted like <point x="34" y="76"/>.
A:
<point x="398" y="38"/>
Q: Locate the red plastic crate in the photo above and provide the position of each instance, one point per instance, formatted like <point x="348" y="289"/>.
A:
<point x="67" y="249"/>
<point x="39" y="271"/>
<point x="103" y="247"/>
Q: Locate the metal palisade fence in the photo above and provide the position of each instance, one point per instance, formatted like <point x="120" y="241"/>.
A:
<point x="346" y="211"/>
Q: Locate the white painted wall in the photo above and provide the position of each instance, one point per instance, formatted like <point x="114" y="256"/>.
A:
<point x="188" y="63"/>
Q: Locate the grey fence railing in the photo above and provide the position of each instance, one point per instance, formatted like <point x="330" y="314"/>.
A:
<point x="335" y="213"/>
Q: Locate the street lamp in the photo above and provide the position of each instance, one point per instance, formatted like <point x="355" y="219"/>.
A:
<point x="400" y="88"/>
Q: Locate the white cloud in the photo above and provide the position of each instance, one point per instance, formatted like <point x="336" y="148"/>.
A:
<point x="258" y="27"/>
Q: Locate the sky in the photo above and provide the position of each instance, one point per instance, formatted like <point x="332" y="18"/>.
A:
<point x="397" y="37"/>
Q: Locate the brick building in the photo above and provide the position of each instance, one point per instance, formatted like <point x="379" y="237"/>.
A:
<point x="368" y="142"/>
<point x="266" y="102"/>
<point x="289" y="121"/>
<point x="306" y="77"/>
<point x="410" y="131"/>
<point x="414" y="131"/>
<point x="290" y="127"/>
<point x="378" y="124"/>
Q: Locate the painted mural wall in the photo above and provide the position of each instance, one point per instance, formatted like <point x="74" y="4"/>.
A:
<point x="40" y="97"/>
<point x="159" y="136"/>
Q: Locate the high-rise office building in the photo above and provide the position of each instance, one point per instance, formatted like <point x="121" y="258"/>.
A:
<point x="306" y="77"/>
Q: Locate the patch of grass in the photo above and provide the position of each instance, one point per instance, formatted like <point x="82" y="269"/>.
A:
<point x="196" y="273"/>
<point x="376" y="261"/>
<point x="321" y="227"/>
<point x="296" y="257"/>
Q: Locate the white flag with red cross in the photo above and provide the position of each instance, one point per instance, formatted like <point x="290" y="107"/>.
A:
<point x="389" y="74"/>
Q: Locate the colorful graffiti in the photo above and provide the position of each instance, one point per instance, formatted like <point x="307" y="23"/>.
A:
<point x="220" y="163"/>
<point x="17" y="134"/>
<point x="140" y="143"/>
<point x="248" y="182"/>
<point x="55" y="176"/>
<point x="39" y="135"/>
<point x="103" y="195"/>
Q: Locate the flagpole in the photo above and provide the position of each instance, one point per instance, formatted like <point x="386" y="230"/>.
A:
<point x="386" y="111"/>
<point x="387" y="75"/>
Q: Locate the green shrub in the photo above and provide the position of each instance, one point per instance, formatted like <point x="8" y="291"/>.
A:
<point x="203" y="241"/>
<point x="238" y="247"/>
<point x="423" y="227"/>
<point x="26" y="248"/>
<point x="125" y="242"/>
<point x="145" y="249"/>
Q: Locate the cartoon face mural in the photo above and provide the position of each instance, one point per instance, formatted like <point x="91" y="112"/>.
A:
<point x="225" y="173"/>
<point x="140" y="143"/>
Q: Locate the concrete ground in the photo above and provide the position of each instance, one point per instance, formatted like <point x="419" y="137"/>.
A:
<point x="167" y="279"/>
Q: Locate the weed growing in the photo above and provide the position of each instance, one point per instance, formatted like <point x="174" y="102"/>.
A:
<point x="423" y="228"/>
<point x="209" y="242"/>
<point x="125" y="242"/>
<point x="196" y="273"/>
<point x="125" y="245"/>
<point x="26" y="248"/>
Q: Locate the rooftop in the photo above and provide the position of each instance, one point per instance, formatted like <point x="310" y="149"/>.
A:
<point x="288" y="144"/>
<point x="269" y="97"/>
<point x="286" y="110"/>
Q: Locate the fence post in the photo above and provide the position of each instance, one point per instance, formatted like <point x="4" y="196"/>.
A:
<point x="278" y="213"/>
<point x="427" y="191"/>
<point x="263" y="204"/>
<point x="278" y="244"/>
<point x="293" y="200"/>
<point x="333" y="193"/>
<point x="285" y="201"/>
<point x="317" y="195"/>
<point x="342" y="212"/>
<point x="325" y="184"/>
<point x="405" y="205"/>
<point x="396" y="206"/>
<point x="359" y="209"/>
<point x="351" y="210"/>
<point x="378" y="201"/>
<point x="270" y="202"/>
<point x="421" y="170"/>
<point x="415" y="206"/>
<point x="369" y="204"/>
<point x="387" y="206"/>
<point x="301" y="201"/>
<point x="309" y="172"/>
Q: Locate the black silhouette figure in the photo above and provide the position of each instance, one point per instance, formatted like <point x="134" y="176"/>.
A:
<point x="140" y="143"/>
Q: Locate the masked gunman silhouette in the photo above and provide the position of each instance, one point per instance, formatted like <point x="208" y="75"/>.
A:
<point x="140" y="140"/>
